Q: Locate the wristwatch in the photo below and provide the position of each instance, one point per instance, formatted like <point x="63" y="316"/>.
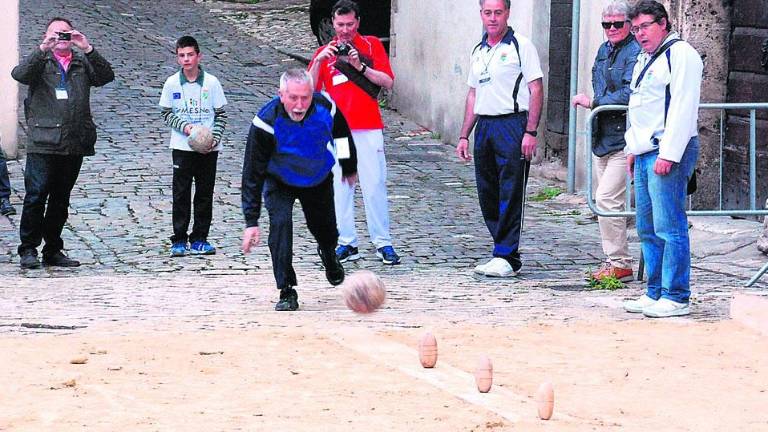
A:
<point x="532" y="133"/>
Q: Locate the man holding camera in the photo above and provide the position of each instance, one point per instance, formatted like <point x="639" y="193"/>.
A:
<point x="61" y="132"/>
<point x="353" y="68"/>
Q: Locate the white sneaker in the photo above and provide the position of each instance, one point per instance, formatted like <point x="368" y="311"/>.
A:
<point x="499" y="267"/>
<point x="480" y="269"/>
<point x="665" y="308"/>
<point x="637" y="306"/>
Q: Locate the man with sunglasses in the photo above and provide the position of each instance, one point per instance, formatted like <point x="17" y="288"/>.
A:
<point x="662" y="148"/>
<point x="611" y="76"/>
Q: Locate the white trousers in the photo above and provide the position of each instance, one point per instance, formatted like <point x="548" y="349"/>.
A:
<point x="372" y="176"/>
<point x="610" y="175"/>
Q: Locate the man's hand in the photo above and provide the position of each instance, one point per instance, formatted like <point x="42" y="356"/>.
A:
<point x="188" y="129"/>
<point x="581" y="100"/>
<point x="49" y="41"/>
<point x="631" y="165"/>
<point x="662" y="166"/>
<point x="250" y="238"/>
<point x="79" y="40"/>
<point x="462" y="150"/>
<point x="327" y="52"/>
<point x="351" y="180"/>
<point x="529" y="146"/>
<point x="354" y="58"/>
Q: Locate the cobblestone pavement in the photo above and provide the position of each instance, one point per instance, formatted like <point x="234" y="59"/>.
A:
<point x="120" y="218"/>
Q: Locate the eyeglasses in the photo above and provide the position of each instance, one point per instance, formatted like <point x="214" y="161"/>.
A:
<point x="616" y="24"/>
<point x="644" y="26"/>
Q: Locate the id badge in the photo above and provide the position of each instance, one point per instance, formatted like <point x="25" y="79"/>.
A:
<point x="61" y="93"/>
<point x="339" y="79"/>
<point x="342" y="148"/>
<point x="484" y="78"/>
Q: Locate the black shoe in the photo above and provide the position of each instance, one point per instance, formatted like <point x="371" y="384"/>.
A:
<point x="60" y="260"/>
<point x="6" y="209"/>
<point x="289" y="300"/>
<point x="29" y="261"/>
<point x="334" y="272"/>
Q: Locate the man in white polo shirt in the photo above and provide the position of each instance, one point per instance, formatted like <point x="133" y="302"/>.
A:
<point x="504" y="102"/>
<point x="192" y="97"/>
<point x="662" y="148"/>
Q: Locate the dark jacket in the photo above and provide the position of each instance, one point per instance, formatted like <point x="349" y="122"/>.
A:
<point x="296" y="154"/>
<point x="61" y="126"/>
<point x="611" y="76"/>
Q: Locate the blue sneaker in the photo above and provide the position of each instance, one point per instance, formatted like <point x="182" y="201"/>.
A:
<point x="347" y="253"/>
<point x="202" y="248"/>
<point x="388" y="255"/>
<point x="179" y="249"/>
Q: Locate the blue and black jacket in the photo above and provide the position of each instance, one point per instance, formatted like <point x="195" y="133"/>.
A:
<point x="297" y="154"/>
<point x="611" y="76"/>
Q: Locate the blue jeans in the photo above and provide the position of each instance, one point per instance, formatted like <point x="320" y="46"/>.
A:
<point x="5" y="182"/>
<point x="48" y="180"/>
<point x="663" y="225"/>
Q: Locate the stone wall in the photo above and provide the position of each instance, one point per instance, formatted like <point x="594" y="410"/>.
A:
<point x="432" y="40"/>
<point x="9" y="46"/>
<point x="747" y="82"/>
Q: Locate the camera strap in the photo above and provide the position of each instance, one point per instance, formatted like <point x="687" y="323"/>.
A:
<point x="358" y="78"/>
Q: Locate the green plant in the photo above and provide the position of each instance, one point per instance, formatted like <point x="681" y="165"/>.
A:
<point x="606" y="283"/>
<point x="547" y="193"/>
<point x="435" y="135"/>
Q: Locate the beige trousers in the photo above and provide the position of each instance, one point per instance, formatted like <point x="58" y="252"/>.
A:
<point x="610" y="173"/>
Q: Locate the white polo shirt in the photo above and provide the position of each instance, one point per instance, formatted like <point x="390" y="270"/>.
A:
<point x="194" y="102"/>
<point x="647" y="101"/>
<point x="494" y="73"/>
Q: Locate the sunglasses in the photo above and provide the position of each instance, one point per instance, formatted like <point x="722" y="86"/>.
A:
<point x="616" y="24"/>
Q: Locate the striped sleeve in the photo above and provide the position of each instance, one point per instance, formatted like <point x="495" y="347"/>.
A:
<point x="172" y="120"/>
<point x="219" y="123"/>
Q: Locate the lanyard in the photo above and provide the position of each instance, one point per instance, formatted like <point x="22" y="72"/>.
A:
<point x="490" y="57"/>
<point x="63" y="81"/>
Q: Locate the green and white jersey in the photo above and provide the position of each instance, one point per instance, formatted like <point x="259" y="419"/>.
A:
<point x="193" y="102"/>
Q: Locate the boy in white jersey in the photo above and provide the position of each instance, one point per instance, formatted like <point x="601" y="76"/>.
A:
<point x="191" y="98"/>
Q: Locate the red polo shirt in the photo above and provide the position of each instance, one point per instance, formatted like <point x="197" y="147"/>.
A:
<point x="360" y="110"/>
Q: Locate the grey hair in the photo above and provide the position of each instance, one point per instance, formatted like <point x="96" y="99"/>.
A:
<point x="617" y="7"/>
<point x="296" y="75"/>
<point x="507" y="3"/>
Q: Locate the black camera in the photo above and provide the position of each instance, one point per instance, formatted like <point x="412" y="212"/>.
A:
<point x="65" y="36"/>
<point x="343" y="49"/>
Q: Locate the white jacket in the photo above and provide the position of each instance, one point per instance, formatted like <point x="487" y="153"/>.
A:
<point x="648" y="100"/>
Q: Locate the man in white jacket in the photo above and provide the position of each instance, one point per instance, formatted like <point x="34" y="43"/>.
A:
<point x="662" y="148"/>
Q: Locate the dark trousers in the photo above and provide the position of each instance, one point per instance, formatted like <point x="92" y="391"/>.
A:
<point x="201" y="168"/>
<point x="317" y="204"/>
<point x="47" y="178"/>
<point x="500" y="175"/>
<point x="5" y="181"/>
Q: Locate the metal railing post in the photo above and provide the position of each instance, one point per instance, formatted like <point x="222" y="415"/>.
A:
<point x="575" y="21"/>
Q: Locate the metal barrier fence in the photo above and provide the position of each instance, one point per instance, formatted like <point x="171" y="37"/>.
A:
<point x="752" y="211"/>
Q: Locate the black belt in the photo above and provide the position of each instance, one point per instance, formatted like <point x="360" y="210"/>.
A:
<point x="501" y="116"/>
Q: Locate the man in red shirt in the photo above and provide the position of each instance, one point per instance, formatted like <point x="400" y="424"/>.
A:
<point x="353" y="68"/>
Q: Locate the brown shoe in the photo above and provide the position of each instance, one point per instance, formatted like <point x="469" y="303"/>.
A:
<point x="622" y="274"/>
